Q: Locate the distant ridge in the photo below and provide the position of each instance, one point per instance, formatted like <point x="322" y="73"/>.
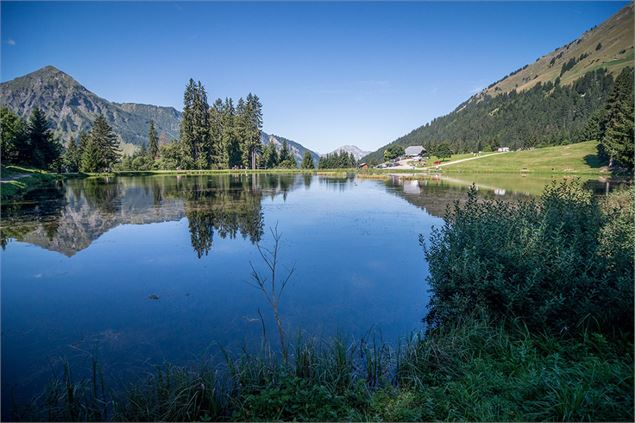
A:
<point x="358" y="153"/>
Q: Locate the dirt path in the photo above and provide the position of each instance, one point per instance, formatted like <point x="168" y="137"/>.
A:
<point x="403" y="164"/>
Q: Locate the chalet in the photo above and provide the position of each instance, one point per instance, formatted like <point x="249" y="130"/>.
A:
<point x="363" y="166"/>
<point x="415" y="151"/>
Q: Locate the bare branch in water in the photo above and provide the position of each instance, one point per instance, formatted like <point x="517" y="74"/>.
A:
<point x="268" y="285"/>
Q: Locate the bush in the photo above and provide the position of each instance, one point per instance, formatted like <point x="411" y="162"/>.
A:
<point x="558" y="263"/>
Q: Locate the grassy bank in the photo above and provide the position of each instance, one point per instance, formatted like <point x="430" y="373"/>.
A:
<point x="580" y="159"/>
<point x="17" y="181"/>
<point x="531" y="318"/>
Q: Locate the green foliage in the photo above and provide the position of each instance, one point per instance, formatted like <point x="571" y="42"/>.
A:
<point x="100" y="149"/>
<point x="13" y="138"/>
<point x="195" y="129"/>
<point x="270" y="156"/>
<point x="617" y="127"/>
<point x="44" y="149"/>
<point x="547" y="262"/>
<point x="337" y="160"/>
<point x="73" y="154"/>
<point x="250" y="124"/>
<point x="393" y="152"/>
<point x="443" y="151"/>
<point x="547" y="114"/>
<point x="153" y="142"/>
<point x="307" y="161"/>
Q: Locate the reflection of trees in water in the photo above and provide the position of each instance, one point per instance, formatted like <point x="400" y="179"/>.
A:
<point x="226" y="205"/>
<point x="340" y="183"/>
<point x="69" y="216"/>
<point x="38" y="208"/>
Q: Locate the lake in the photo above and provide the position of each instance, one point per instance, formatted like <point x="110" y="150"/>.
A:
<point x="142" y="270"/>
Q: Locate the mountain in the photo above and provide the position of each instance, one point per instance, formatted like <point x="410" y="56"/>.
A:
<point x="296" y="148"/>
<point x="71" y="108"/>
<point x="358" y="153"/>
<point x="544" y="103"/>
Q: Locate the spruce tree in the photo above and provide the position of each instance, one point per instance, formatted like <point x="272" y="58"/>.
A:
<point x="618" y="138"/>
<point x="44" y="148"/>
<point x="216" y="134"/>
<point x="253" y="126"/>
<point x="307" y="161"/>
<point x="203" y="150"/>
<point x="270" y="156"/>
<point x="72" y="156"/>
<point x="229" y="141"/>
<point x="153" y="141"/>
<point x="102" y="149"/>
<point x="240" y="129"/>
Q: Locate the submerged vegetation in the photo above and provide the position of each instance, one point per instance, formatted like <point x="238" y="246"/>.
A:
<point x="530" y="319"/>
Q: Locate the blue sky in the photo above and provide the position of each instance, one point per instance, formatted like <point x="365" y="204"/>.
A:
<point x="327" y="73"/>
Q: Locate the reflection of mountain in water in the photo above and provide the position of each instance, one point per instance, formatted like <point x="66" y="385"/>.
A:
<point x="68" y="217"/>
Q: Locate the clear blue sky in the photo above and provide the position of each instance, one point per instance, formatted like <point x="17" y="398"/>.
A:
<point x="327" y="73"/>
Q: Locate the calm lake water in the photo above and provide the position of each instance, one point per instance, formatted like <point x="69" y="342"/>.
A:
<point x="81" y="261"/>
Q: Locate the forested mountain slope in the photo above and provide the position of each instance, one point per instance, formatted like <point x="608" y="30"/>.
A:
<point x="545" y="103"/>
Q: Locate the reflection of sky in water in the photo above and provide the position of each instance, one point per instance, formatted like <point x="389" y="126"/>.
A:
<point x="82" y="284"/>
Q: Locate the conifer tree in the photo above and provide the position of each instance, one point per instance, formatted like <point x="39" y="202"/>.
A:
<point x="229" y="141"/>
<point x="216" y="134"/>
<point x="72" y="156"/>
<point x="202" y="158"/>
<point x="188" y="120"/>
<point x="270" y="156"/>
<point x="153" y="141"/>
<point x="45" y="149"/>
<point x="618" y="138"/>
<point x="285" y="154"/>
<point x="307" y="161"/>
<point x="100" y="150"/>
<point x="253" y="125"/>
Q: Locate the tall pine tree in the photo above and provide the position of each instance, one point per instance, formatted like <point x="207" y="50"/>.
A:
<point x="153" y="141"/>
<point x="618" y="139"/>
<point x="45" y="149"/>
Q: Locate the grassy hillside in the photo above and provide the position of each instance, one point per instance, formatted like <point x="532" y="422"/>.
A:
<point x="580" y="158"/>
<point x="548" y="102"/>
<point x="609" y="45"/>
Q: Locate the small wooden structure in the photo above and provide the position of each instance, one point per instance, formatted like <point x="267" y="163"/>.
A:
<point x="363" y="166"/>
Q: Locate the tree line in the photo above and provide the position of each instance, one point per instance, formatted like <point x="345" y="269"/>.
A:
<point x="337" y="160"/>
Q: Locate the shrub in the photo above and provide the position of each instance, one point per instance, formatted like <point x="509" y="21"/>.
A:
<point x="557" y="262"/>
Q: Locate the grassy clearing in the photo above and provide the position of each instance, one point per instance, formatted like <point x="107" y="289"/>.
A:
<point x="580" y="159"/>
<point x="17" y="181"/>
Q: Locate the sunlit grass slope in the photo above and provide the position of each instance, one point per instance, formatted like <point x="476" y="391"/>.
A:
<point x="581" y="158"/>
